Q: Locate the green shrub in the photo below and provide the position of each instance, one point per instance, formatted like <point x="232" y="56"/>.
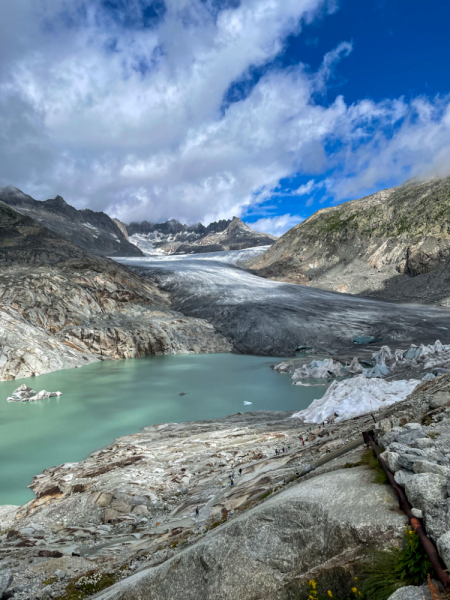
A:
<point x="388" y="570"/>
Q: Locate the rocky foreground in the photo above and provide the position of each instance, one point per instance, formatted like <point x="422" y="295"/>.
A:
<point x="125" y="518"/>
<point x="61" y="307"/>
<point x="394" y="244"/>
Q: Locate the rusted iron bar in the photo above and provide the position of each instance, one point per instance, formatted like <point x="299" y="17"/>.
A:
<point x="417" y="525"/>
<point x="327" y="458"/>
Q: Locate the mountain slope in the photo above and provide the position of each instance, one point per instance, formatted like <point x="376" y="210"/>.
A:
<point x="172" y="237"/>
<point x="394" y="244"/>
<point x="94" y="231"/>
<point x="62" y="307"/>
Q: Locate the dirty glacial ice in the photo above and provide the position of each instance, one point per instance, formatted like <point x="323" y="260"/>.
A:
<point x="266" y="317"/>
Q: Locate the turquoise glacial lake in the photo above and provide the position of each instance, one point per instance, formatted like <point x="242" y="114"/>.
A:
<point x="105" y="400"/>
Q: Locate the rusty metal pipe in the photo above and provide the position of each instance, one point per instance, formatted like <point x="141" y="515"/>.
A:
<point x="427" y="544"/>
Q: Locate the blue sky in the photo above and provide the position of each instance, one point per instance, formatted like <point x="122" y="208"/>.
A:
<point x="204" y="109"/>
<point x="400" y="49"/>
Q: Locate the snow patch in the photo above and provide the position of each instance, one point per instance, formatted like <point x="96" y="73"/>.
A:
<point x="90" y="226"/>
<point x="354" y="397"/>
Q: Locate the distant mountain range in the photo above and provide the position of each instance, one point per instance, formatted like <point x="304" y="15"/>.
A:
<point x="98" y="233"/>
<point x="172" y="237"/>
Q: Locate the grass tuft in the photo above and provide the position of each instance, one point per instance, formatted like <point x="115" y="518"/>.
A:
<point x="370" y="460"/>
<point x="88" y="584"/>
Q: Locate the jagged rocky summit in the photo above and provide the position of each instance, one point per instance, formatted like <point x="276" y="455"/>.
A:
<point x="98" y="233"/>
<point x="173" y="237"/>
<point x="63" y="307"/>
<point x="394" y="244"/>
<point x="93" y="231"/>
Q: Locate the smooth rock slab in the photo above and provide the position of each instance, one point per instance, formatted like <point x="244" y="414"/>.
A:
<point x="260" y="553"/>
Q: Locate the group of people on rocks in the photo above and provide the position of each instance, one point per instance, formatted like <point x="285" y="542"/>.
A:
<point x="300" y="437"/>
<point x="232" y="476"/>
<point x="283" y="449"/>
<point x="278" y="452"/>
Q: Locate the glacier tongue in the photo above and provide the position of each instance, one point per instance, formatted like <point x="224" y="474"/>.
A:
<point x="355" y="397"/>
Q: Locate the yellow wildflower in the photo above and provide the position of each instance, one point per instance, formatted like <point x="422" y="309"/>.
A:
<point x="356" y="579"/>
<point x="330" y="594"/>
<point x="354" y="590"/>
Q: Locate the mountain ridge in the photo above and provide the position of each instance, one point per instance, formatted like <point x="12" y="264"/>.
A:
<point x="394" y="244"/>
<point x="172" y="237"/>
<point x="91" y="230"/>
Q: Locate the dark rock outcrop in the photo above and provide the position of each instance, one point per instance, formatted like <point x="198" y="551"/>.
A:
<point x="93" y="231"/>
<point x="62" y="307"/>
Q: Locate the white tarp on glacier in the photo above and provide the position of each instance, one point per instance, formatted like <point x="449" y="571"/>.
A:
<point x="355" y="397"/>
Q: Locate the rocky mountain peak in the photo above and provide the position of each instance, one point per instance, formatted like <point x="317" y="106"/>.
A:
<point x="93" y="231"/>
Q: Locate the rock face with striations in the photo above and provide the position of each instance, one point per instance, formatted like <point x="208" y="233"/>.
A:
<point x="129" y="510"/>
<point x="61" y="307"/>
<point x="262" y="553"/>
<point x="394" y="244"/>
<point x="94" y="231"/>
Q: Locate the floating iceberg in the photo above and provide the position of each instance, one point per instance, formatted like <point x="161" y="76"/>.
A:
<point x="27" y="394"/>
<point x="247" y="403"/>
<point x="355" y="397"/>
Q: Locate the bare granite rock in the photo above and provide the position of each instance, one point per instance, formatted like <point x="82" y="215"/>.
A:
<point x="62" y="307"/>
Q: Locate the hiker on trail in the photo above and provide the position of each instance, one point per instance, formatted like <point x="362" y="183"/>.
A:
<point x="289" y="448"/>
<point x="196" y="512"/>
<point x="240" y="472"/>
<point x="232" y="483"/>
<point x="303" y="441"/>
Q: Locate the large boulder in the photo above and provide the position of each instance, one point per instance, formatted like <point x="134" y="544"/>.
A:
<point x="425" y="488"/>
<point x="271" y="547"/>
<point x="411" y="592"/>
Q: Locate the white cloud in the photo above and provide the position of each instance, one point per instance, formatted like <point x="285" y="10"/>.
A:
<point x="276" y="225"/>
<point x="131" y="120"/>
<point x="307" y="188"/>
